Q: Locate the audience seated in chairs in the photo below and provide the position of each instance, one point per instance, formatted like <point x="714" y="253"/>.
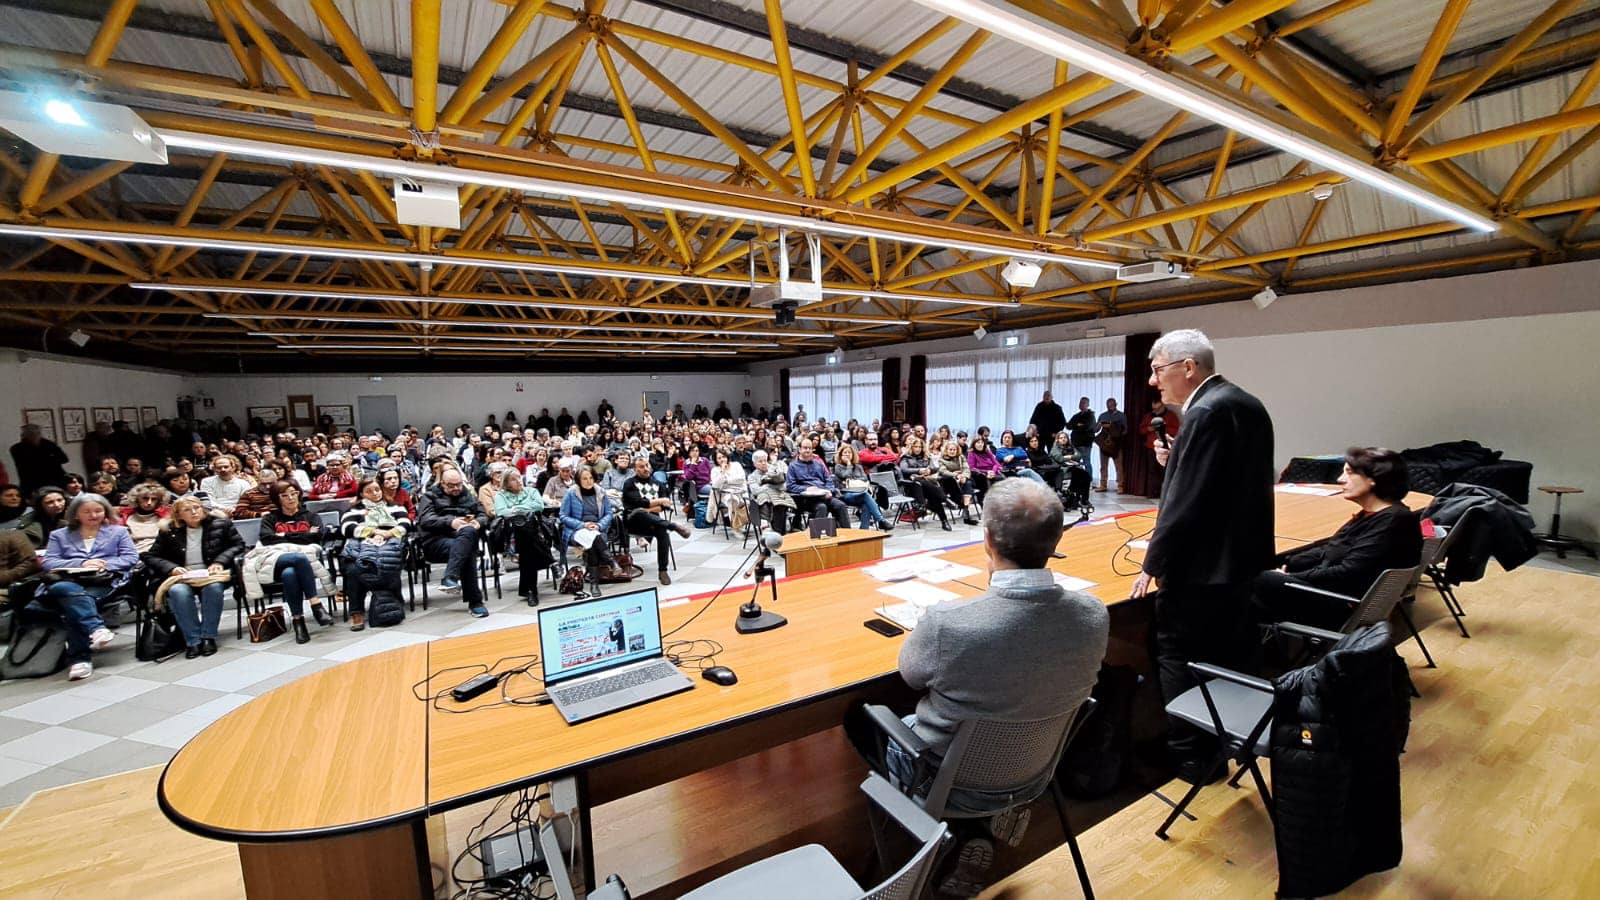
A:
<point x="984" y="466"/>
<point x="955" y="478"/>
<point x="856" y="490"/>
<point x="373" y="528"/>
<point x="587" y="508"/>
<point x="86" y="540"/>
<point x="643" y="507"/>
<point x="1027" y="649"/>
<point x="105" y="484"/>
<point x="14" y="512"/>
<point x="812" y="486"/>
<point x="767" y="481"/>
<point x="226" y="484"/>
<point x="727" y="485"/>
<point x="1040" y="460"/>
<point x="695" y="482"/>
<point x="495" y="472"/>
<point x="918" y="473"/>
<point x="145" y="514"/>
<point x="255" y="502"/>
<point x="1014" y="459"/>
<point x="555" y="489"/>
<point x="449" y="518"/>
<point x="194" y="541"/>
<point x="291" y="549"/>
<point x="1383" y="534"/>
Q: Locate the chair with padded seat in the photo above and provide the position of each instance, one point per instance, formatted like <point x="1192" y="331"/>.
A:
<point x="1008" y="764"/>
<point x="804" y="873"/>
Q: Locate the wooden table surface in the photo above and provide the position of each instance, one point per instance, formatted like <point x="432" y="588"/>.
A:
<point x="351" y="747"/>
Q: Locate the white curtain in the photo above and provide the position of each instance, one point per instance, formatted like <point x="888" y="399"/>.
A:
<point x="999" y="388"/>
<point x="840" y="393"/>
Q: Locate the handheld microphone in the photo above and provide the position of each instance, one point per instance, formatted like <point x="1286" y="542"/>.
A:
<point x="1159" y="426"/>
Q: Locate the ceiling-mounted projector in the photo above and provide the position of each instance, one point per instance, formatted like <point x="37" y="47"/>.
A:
<point x="1157" y="270"/>
<point x="69" y="126"/>
<point x="427" y="203"/>
<point x="787" y="295"/>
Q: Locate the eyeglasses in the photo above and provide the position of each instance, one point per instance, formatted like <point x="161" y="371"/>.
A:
<point x="1155" y="370"/>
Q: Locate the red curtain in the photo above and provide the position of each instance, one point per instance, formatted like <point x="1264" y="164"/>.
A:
<point x="783" y="390"/>
<point x="1143" y="476"/>
<point x="891" y="386"/>
<point x="917" y="391"/>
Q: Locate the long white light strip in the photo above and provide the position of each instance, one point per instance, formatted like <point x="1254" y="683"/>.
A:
<point x="419" y="348"/>
<point x="554" y="326"/>
<point x="421" y="172"/>
<point x="535" y="339"/>
<point x="1048" y="38"/>
<point x="921" y="298"/>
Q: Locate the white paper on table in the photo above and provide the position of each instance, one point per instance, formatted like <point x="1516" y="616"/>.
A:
<point x="917" y="593"/>
<point x="1308" y="489"/>
<point x="1139" y="545"/>
<point x="906" y="567"/>
<point x="585" y="538"/>
<point x="1103" y="520"/>
<point x="196" y="575"/>
<point x="903" y="614"/>
<point x="950" y="572"/>
<point x="1073" y="584"/>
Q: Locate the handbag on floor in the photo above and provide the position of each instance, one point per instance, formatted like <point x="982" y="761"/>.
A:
<point x="37" y="650"/>
<point x="266" y="625"/>
<point x="158" y="638"/>
<point x="573" y="581"/>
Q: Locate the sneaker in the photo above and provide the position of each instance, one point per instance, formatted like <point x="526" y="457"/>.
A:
<point x="479" y="612"/>
<point x="80" y="671"/>
<point x="450" y="585"/>
<point x="1011" y="825"/>
<point x="100" y="639"/>
<point x="682" y="529"/>
<point x="969" y="877"/>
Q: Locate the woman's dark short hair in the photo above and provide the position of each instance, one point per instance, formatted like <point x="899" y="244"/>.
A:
<point x="276" y="491"/>
<point x="171" y="473"/>
<point x="1386" y="470"/>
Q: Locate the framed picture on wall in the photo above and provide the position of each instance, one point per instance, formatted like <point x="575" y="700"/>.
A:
<point x="343" y="416"/>
<point x="98" y="414"/>
<point x="129" y="414"/>
<point x="300" y="410"/>
<point x="149" y="416"/>
<point x="74" y="425"/>
<point x="44" y="418"/>
<point x="267" y="414"/>
<point x="897" y="411"/>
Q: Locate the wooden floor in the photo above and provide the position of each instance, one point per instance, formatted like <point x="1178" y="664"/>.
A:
<point x="1500" y="782"/>
<point x="1501" y="796"/>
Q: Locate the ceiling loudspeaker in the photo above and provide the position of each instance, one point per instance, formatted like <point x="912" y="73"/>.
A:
<point x="1021" y="273"/>
<point x="1264" y="297"/>
<point x="78" y="337"/>
<point x="980" y="333"/>
<point x="427" y="203"/>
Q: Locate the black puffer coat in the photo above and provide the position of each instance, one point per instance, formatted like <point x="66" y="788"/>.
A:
<point x="220" y="545"/>
<point x="1338" y="727"/>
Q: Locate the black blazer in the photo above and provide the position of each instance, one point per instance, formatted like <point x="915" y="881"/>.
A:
<point x="1349" y="562"/>
<point x="1215" y="525"/>
<point x="220" y="545"/>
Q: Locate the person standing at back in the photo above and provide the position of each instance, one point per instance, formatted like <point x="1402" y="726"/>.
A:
<point x="1048" y="419"/>
<point x="1213" y="534"/>
<point x="39" y="461"/>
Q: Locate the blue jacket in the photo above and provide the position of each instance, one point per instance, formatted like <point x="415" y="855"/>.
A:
<point x="804" y="475"/>
<point x="572" y="513"/>
<point x="113" y="545"/>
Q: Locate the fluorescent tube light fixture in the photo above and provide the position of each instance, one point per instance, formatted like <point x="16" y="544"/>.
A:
<point x="1049" y="38"/>
<point x="77" y="127"/>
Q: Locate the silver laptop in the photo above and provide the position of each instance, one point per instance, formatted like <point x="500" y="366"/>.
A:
<point x="604" y="654"/>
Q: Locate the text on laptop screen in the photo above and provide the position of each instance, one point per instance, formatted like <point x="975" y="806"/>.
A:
<point x="594" y="634"/>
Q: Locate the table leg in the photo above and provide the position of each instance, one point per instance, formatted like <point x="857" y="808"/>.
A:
<point x="384" y="864"/>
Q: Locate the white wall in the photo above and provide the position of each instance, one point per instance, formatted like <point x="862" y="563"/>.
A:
<point x="33" y="380"/>
<point x="452" y="399"/>
<point x="1506" y="358"/>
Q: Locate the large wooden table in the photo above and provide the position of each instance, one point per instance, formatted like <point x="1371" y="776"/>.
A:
<point x="803" y="555"/>
<point x="326" y="783"/>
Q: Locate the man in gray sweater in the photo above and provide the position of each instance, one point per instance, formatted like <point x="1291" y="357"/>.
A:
<point x="1026" y="649"/>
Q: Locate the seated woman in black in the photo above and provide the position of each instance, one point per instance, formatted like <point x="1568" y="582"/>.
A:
<point x="1383" y="534"/>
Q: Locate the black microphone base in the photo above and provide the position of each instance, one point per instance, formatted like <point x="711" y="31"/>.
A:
<point x="761" y="621"/>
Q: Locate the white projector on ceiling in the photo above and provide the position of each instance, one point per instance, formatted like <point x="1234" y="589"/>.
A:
<point x="788" y="292"/>
<point x="427" y="203"/>
<point x="70" y="126"/>
<point x="1158" y="270"/>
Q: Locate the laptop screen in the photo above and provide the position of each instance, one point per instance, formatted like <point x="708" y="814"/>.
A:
<point x="583" y="637"/>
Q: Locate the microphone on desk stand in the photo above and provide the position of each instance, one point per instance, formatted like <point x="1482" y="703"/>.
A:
<point x="752" y="618"/>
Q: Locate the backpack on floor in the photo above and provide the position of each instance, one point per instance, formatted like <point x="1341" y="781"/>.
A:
<point x="385" y="609"/>
<point x="700" y="515"/>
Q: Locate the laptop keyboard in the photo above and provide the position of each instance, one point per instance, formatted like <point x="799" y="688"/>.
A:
<point x="590" y="690"/>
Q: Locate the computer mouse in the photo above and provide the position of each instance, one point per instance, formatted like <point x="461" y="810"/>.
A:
<point x="720" y="675"/>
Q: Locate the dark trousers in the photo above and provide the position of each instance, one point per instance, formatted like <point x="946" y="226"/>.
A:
<point x="645" y="523"/>
<point x="929" y="494"/>
<point x="954" y="488"/>
<point x="980" y="484"/>
<point x="777" y="516"/>
<point x="830" y="505"/>
<point x="1208" y="623"/>
<point x="459" y="553"/>
<point x="1276" y="601"/>
<point x="293" y="571"/>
